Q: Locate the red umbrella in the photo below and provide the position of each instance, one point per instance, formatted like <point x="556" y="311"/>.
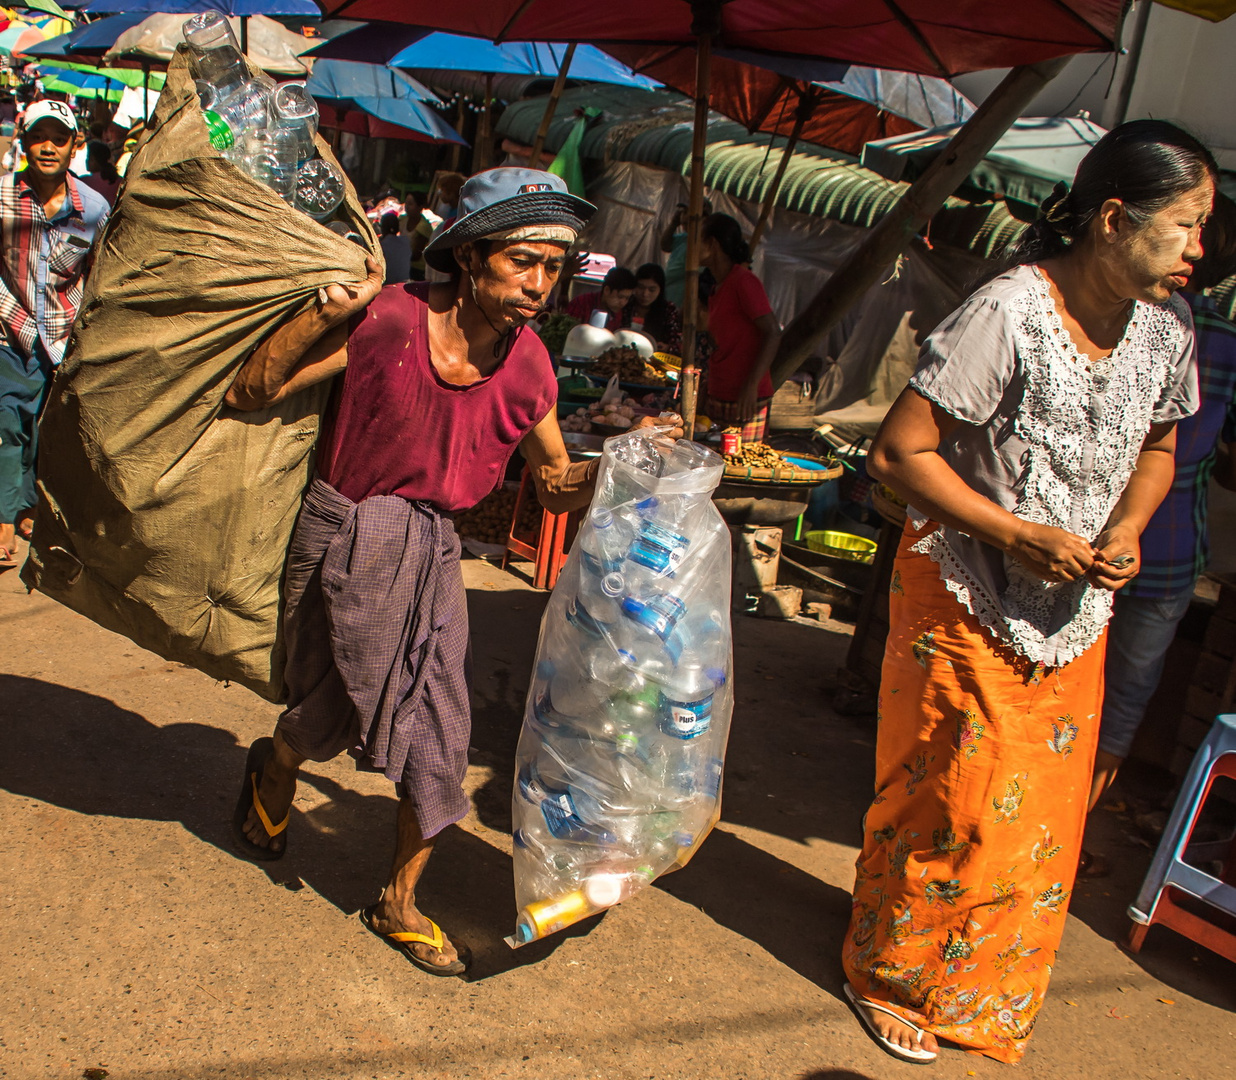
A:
<point x="924" y="36"/>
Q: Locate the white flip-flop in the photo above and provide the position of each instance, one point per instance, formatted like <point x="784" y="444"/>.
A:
<point x="862" y="1009"/>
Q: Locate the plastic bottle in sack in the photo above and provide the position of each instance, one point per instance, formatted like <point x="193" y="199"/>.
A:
<point x="654" y="838"/>
<point x="596" y="608"/>
<point x="603" y="548"/>
<point x="658" y="612"/>
<point x="216" y="53"/>
<point x="319" y="189"/>
<point x="686" y="698"/>
<point x="559" y="805"/>
<point x="293" y="108"/>
<point x="270" y="156"/>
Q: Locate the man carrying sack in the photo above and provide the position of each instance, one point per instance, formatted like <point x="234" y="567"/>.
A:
<point x="440" y="384"/>
<point x="48" y="222"/>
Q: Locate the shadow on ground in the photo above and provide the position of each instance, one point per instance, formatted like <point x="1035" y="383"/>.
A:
<point x="84" y="753"/>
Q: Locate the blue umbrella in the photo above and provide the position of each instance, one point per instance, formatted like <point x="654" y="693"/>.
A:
<point x="90" y="39"/>
<point x="238" y="8"/>
<point x="410" y="47"/>
<point x="388" y="95"/>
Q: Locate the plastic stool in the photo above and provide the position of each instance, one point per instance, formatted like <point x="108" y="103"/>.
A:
<point x="549" y="553"/>
<point x="1169" y="872"/>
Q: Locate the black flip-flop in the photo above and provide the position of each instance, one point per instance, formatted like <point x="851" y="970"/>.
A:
<point x="404" y="941"/>
<point x="260" y="753"/>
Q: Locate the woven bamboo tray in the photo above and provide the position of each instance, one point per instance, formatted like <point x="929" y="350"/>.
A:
<point x="787" y="473"/>
<point x="892" y="512"/>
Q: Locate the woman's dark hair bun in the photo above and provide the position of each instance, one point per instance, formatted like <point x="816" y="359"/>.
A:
<point x="1146" y="164"/>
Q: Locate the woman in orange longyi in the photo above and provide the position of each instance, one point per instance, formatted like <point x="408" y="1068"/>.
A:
<point x="1033" y="444"/>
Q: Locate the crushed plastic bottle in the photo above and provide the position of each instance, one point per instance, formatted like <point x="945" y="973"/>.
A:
<point x="320" y="188"/>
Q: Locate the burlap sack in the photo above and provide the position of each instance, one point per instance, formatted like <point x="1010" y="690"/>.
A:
<point x="164" y="515"/>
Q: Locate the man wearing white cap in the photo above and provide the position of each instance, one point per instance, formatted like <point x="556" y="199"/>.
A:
<point x="440" y="384"/>
<point x="48" y="222"/>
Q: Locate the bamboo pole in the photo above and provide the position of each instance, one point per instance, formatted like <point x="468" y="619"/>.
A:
<point x="706" y="16"/>
<point x="869" y="263"/>
<point x="551" y="107"/>
<point x="770" y="197"/>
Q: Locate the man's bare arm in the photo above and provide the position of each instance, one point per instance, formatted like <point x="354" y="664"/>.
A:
<point x="307" y="349"/>
<point x="563" y="485"/>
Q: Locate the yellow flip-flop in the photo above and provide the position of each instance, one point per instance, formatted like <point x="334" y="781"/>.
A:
<point x="260" y="754"/>
<point x="403" y="940"/>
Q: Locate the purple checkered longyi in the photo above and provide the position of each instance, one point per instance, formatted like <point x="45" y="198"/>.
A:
<point x="376" y="623"/>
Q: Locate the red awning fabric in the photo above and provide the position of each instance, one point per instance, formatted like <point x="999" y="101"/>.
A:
<point x="762" y="100"/>
<point x="930" y="37"/>
<point x="359" y="122"/>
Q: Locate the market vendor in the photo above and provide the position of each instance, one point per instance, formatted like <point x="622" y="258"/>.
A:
<point x="613" y="297"/>
<point x="744" y="330"/>
<point x="440" y="384"/>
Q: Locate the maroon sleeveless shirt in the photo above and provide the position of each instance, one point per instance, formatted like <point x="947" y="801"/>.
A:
<point x="395" y="427"/>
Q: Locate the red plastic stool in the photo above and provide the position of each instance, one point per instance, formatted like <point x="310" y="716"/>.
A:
<point x="549" y="553"/>
<point x="1171" y="877"/>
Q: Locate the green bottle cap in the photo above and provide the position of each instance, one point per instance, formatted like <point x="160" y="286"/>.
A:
<point x="220" y="134"/>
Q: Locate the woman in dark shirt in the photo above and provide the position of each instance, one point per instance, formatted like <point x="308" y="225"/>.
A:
<point x="650" y="311"/>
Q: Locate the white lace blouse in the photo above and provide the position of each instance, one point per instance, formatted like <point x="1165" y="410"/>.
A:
<point x="1051" y="436"/>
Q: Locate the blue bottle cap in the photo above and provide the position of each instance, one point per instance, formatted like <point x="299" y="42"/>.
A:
<point x="523" y="932"/>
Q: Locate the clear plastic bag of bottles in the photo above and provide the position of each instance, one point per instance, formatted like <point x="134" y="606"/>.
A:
<point x="618" y="771"/>
<point x="268" y="131"/>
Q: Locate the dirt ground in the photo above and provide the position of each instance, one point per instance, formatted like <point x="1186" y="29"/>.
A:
<point x="136" y="944"/>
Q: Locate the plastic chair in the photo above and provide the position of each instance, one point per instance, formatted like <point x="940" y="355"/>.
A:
<point x="1170" y="875"/>
<point x="549" y="553"/>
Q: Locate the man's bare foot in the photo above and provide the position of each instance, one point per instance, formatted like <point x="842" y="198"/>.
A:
<point x="387" y="918"/>
<point x="25" y="524"/>
<point x="276" y="790"/>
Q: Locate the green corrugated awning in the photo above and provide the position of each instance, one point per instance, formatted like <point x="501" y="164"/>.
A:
<point x="828" y="185"/>
<point x="654" y="127"/>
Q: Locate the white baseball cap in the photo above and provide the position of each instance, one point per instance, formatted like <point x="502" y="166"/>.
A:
<point x="55" y="110"/>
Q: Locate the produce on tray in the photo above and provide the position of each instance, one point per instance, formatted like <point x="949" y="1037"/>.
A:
<point x="620" y="414"/>
<point x="753" y="455"/>
<point x="489" y="521"/>
<point x="629" y="366"/>
<point x="554" y="330"/>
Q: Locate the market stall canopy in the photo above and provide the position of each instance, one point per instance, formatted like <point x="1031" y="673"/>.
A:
<point x="272" y="47"/>
<point x="120" y="77"/>
<point x="923" y="36"/>
<point x="18" y="37"/>
<point x="89" y="40"/>
<point x="1025" y="164"/>
<point x="818" y="101"/>
<point x="653" y="128"/>
<point x="48" y="7"/>
<point x="411" y="47"/>
<point x="390" y="96"/>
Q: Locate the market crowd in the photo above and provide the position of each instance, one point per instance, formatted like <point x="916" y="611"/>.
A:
<point x="1054" y="446"/>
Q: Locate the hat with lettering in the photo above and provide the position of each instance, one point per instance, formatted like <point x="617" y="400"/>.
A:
<point x="510" y="204"/>
<point x="55" y="110"/>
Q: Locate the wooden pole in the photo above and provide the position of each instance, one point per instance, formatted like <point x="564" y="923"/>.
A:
<point x="870" y="261"/>
<point x="456" y="148"/>
<point x="484" y="136"/>
<point x="770" y="197"/>
<point x="551" y="107"/>
<point x="695" y="213"/>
